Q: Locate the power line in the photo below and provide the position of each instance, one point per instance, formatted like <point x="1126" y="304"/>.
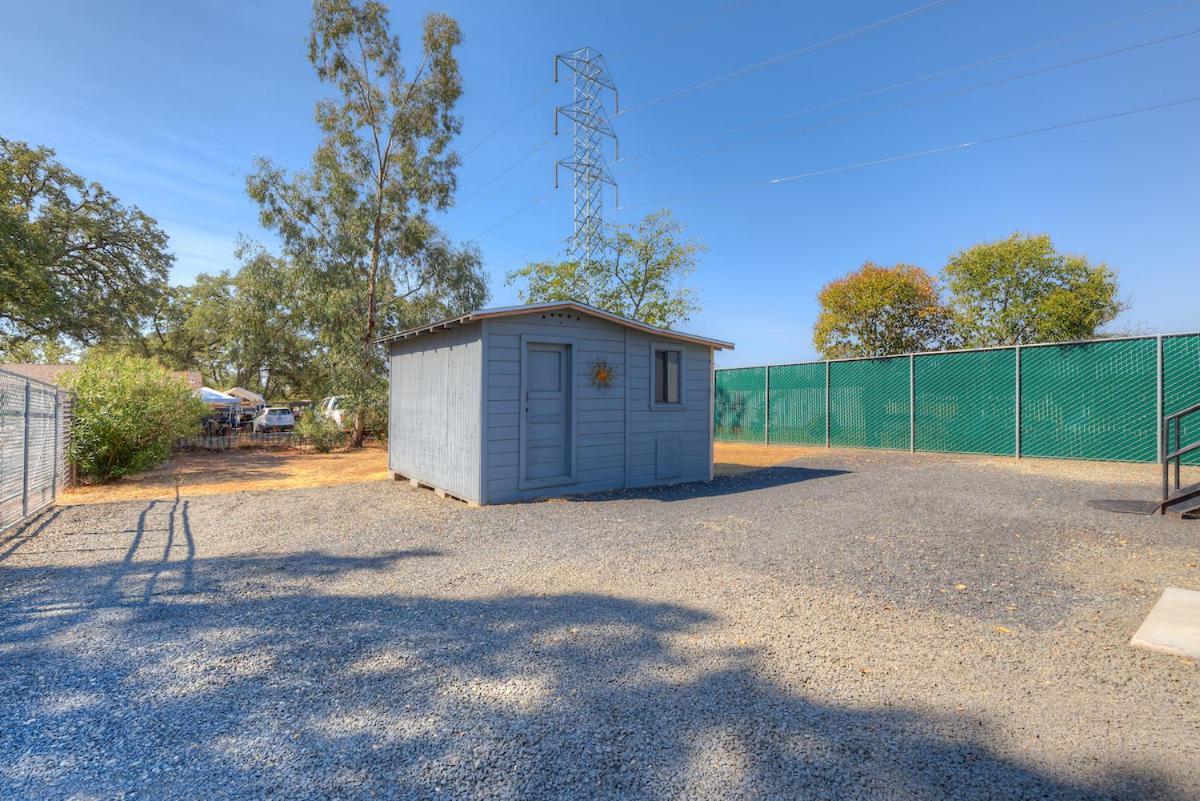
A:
<point x="526" y="255"/>
<point x="509" y="119"/>
<point x="944" y="73"/>
<point x="502" y="173"/>
<point x="479" y="237"/>
<point x="927" y="152"/>
<point x="923" y="100"/>
<point x="695" y="23"/>
<point x="992" y="139"/>
<point x="841" y="37"/>
<point x="541" y="93"/>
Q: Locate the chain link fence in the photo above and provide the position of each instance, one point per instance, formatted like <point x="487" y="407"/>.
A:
<point x="268" y="440"/>
<point x="35" y="424"/>
<point x="1102" y="399"/>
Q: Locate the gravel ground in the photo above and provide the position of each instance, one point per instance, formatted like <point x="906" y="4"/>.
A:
<point x="856" y="625"/>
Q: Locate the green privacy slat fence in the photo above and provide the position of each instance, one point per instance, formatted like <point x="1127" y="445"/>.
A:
<point x="868" y="403"/>
<point x="741" y="404"/>
<point x="1093" y="401"/>
<point x="1088" y="400"/>
<point x="966" y="402"/>
<point x="797" y="404"/>
<point x="1181" y="386"/>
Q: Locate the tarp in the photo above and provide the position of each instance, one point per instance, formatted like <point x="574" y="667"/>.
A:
<point x="215" y="397"/>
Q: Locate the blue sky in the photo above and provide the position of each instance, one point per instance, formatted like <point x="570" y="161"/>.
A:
<point x="167" y="104"/>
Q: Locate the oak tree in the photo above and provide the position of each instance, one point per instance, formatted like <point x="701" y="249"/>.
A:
<point x="1022" y="290"/>
<point x="77" y="266"/>
<point x="880" y="311"/>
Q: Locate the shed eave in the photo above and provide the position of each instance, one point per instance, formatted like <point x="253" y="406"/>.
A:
<point x="583" y="308"/>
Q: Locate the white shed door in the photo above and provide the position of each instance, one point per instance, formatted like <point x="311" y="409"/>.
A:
<point x="547" y="438"/>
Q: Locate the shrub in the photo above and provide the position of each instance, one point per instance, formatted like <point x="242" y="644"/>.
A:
<point x="127" y="412"/>
<point x="321" y="431"/>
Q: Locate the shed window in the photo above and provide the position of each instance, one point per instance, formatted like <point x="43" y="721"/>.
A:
<point x="667" y="376"/>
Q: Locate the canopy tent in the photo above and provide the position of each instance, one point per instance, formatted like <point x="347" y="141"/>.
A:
<point x="247" y="397"/>
<point x="215" y="397"/>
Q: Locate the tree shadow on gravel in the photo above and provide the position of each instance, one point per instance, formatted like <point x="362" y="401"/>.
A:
<point x="23" y="534"/>
<point x="260" y="681"/>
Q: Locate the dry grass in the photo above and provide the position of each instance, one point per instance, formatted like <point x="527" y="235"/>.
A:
<point x="732" y="458"/>
<point x="251" y="470"/>
<point x="204" y="473"/>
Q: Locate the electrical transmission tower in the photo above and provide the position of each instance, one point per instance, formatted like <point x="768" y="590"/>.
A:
<point x="590" y="127"/>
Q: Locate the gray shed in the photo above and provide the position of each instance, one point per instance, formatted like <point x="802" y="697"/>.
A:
<point x="549" y="399"/>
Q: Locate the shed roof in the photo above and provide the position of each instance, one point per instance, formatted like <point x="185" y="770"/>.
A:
<point x="583" y="308"/>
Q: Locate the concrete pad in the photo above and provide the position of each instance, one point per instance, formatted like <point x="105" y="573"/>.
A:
<point x="1173" y="625"/>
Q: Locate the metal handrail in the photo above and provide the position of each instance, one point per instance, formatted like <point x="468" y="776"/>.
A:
<point x="1184" y="451"/>
<point x="1175" y="456"/>
<point x="1183" y="412"/>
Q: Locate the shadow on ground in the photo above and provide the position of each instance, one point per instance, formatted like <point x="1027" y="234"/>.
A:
<point x="21" y="535"/>
<point x="746" y="481"/>
<point x="251" y="676"/>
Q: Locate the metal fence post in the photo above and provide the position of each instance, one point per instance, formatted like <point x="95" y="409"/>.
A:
<point x="1158" y="402"/>
<point x="826" y="404"/>
<point x="54" y="461"/>
<point x="1017" y="395"/>
<point x="912" y="404"/>
<point x="767" y="405"/>
<point x="25" y="458"/>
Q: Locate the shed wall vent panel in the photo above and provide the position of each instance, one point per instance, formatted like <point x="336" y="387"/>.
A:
<point x="668" y="463"/>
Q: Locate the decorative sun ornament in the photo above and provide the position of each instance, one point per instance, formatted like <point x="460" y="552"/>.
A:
<point x="603" y="373"/>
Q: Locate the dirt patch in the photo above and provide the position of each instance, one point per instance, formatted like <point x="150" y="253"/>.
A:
<point x="205" y="473"/>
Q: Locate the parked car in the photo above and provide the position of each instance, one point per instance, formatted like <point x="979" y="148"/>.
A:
<point x="299" y="407"/>
<point x="331" y="407"/>
<point x="274" y="418"/>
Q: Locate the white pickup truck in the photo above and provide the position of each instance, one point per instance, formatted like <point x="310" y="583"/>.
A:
<point x="331" y="407"/>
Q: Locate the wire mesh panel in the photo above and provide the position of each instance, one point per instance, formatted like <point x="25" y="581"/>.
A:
<point x="966" y="402"/>
<point x="42" y="446"/>
<point x="868" y="403"/>
<point x="797" y="407"/>
<point x="12" y="449"/>
<point x="1090" y="401"/>
<point x="1181" y="387"/>
<point x="34" y="426"/>
<point x="740" y="404"/>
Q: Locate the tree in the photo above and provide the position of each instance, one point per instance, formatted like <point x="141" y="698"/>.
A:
<point x="75" y="263"/>
<point x="245" y="329"/>
<point x="1021" y="290"/>
<point x="640" y="275"/>
<point x="126" y="414"/>
<point x="879" y="311"/>
<point x="355" y="225"/>
<point x="37" y="350"/>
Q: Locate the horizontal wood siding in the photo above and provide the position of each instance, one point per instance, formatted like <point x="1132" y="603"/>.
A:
<point x="434" y="420"/>
<point x="600" y="413"/>
<point x="690" y="424"/>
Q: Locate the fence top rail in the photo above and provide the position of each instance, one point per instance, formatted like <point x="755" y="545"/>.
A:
<point x="963" y="350"/>
<point x="35" y="381"/>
